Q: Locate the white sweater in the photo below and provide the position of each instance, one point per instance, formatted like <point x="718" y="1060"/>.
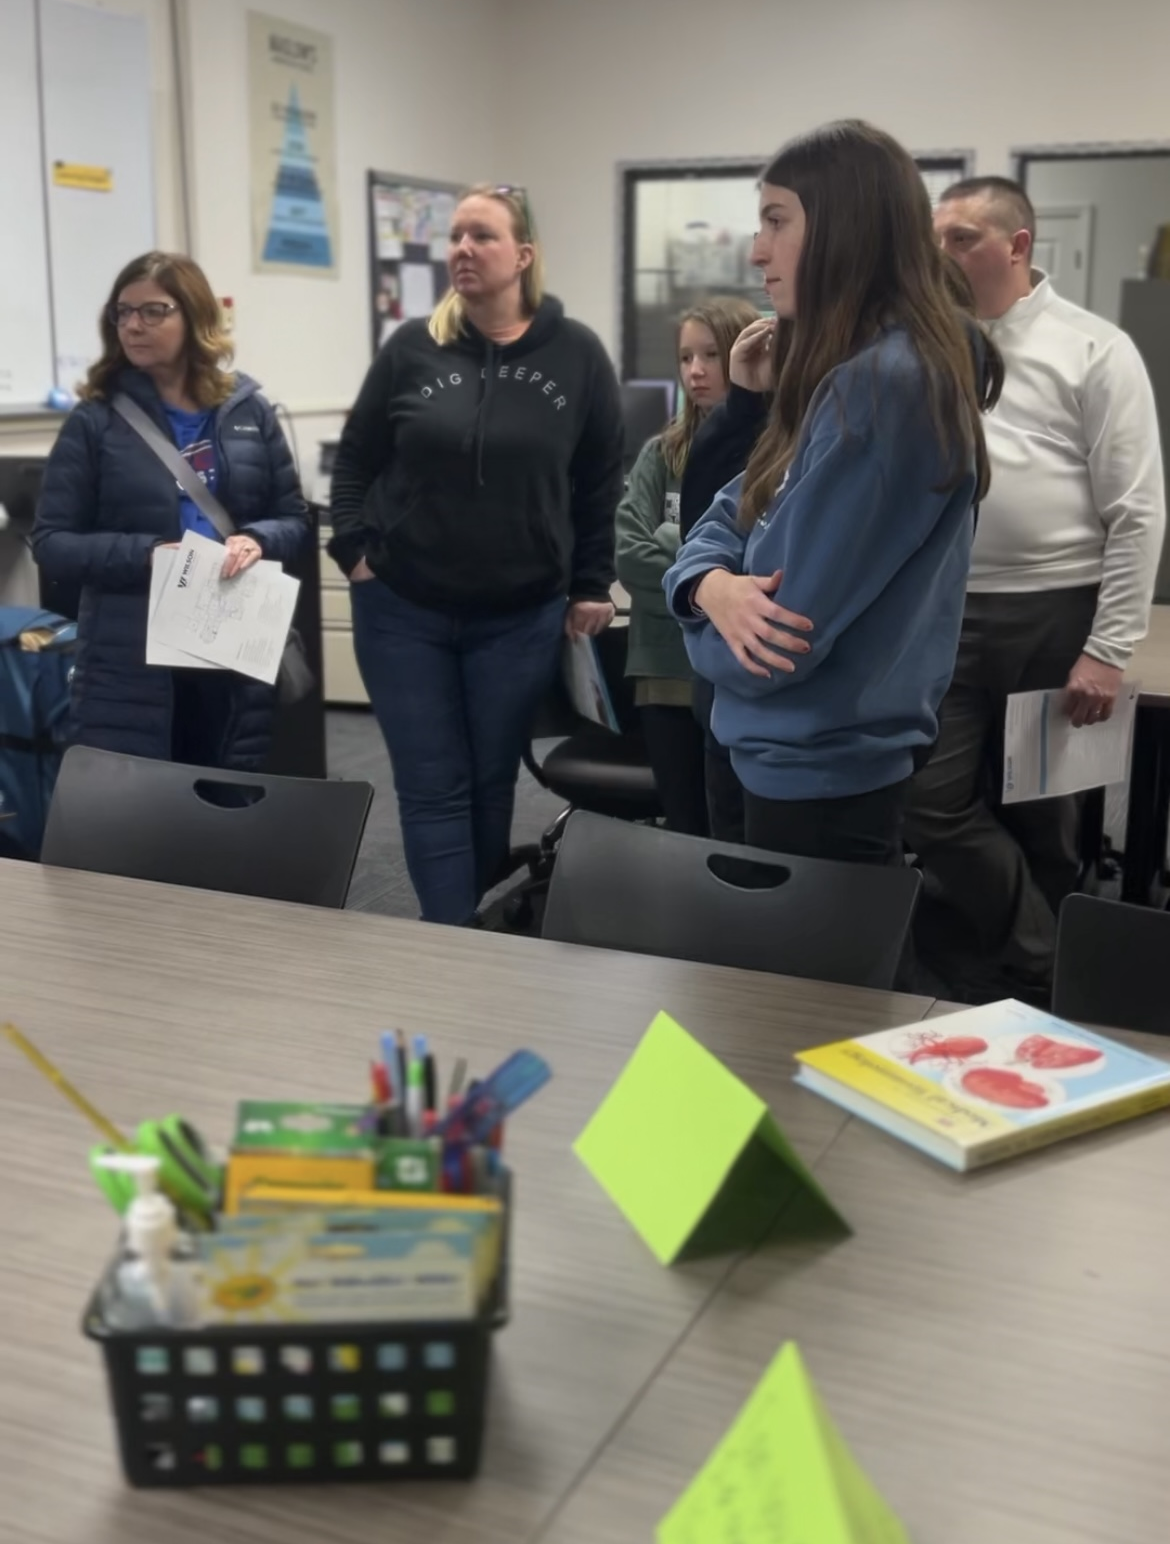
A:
<point x="1077" y="495"/>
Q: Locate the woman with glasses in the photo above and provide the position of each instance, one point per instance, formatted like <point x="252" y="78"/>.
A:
<point x="108" y="502"/>
<point x="473" y="501"/>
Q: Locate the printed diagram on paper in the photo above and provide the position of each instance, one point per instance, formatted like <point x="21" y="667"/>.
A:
<point x="236" y="624"/>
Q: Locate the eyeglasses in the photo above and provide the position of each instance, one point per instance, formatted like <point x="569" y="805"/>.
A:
<point x="514" y="190"/>
<point x="153" y="312"/>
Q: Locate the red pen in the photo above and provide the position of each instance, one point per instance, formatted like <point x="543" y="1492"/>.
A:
<point x="380" y="1082"/>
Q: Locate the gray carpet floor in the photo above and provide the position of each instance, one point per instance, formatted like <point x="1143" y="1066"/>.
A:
<point x="355" y="749"/>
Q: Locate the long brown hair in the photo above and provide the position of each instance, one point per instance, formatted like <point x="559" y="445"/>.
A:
<point x="208" y="348"/>
<point x="725" y="317"/>
<point x="446" y="322"/>
<point x="869" y="261"/>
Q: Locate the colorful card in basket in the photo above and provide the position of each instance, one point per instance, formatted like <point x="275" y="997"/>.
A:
<point x="988" y="1083"/>
<point x="689" y="1155"/>
<point x="781" y="1475"/>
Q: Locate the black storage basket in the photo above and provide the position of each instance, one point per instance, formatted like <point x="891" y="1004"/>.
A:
<point x="277" y="1404"/>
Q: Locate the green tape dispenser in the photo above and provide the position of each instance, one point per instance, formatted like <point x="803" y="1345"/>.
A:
<point x="187" y="1173"/>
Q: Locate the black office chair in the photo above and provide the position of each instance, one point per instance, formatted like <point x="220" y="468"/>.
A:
<point x="1112" y="965"/>
<point x="285" y="838"/>
<point x="621" y="886"/>
<point x="591" y="768"/>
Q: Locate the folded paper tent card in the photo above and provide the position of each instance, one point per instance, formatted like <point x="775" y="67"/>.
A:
<point x="690" y="1155"/>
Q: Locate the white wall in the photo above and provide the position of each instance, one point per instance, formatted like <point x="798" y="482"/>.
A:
<point x="416" y="91"/>
<point x="610" y="80"/>
<point x="555" y="92"/>
<point x="1130" y="199"/>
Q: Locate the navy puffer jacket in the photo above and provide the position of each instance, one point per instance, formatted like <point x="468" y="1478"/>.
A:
<point x="106" y="503"/>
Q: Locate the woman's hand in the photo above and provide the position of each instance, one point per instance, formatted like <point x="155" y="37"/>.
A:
<point x="360" y="572"/>
<point x="587" y="618"/>
<point x="242" y="552"/>
<point x="750" y="365"/>
<point x="748" y="622"/>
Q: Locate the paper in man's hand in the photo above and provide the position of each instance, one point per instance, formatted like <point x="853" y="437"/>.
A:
<point x="1045" y="756"/>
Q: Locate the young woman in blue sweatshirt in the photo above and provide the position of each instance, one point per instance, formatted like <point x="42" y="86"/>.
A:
<point x="855" y="507"/>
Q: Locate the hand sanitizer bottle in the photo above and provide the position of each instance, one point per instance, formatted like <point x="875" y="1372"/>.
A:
<point x="153" y="1280"/>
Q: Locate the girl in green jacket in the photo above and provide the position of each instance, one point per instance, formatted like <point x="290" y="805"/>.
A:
<point x="647" y="545"/>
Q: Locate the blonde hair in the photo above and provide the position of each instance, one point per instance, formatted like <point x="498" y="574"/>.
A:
<point x="448" y="317"/>
<point x="208" y="348"/>
<point x="725" y="318"/>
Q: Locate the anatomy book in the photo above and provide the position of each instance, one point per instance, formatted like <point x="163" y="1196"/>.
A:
<point x="973" y="1087"/>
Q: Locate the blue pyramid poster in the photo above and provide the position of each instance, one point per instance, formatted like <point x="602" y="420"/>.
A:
<point x="298" y="231"/>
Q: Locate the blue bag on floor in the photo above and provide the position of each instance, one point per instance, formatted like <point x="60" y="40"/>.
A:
<point x="34" y="719"/>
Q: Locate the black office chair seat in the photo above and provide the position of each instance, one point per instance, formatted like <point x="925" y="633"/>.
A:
<point x="604" y="772"/>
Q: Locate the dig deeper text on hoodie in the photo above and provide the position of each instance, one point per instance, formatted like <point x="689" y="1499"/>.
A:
<point x="476" y="478"/>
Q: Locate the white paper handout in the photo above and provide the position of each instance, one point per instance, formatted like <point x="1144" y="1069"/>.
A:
<point x="157" y="653"/>
<point x="1045" y="756"/>
<point x="240" y="624"/>
<point x="585" y="683"/>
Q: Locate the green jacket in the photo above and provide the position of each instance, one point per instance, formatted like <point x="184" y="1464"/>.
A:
<point x="647" y="545"/>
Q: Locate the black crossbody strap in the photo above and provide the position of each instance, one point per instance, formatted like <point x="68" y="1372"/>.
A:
<point x="180" y="468"/>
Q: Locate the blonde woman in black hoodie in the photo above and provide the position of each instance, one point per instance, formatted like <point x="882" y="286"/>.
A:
<point x="473" y="510"/>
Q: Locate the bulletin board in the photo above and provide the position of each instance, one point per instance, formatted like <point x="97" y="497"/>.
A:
<point x="409" y="222"/>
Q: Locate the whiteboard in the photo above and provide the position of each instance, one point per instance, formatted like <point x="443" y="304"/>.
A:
<point x="95" y="71"/>
<point x="26" y="345"/>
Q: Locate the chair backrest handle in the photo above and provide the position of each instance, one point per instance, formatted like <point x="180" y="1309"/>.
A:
<point x="223" y="794"/>
<point x="747" y="873"/>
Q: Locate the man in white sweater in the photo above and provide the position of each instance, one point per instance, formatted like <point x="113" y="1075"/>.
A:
<point x="1062" y="575"/>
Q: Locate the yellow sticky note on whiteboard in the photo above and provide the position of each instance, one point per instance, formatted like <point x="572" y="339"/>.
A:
<point x="90" y="179"/>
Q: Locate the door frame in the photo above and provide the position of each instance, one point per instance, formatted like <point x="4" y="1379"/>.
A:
<point x="1086" y="150"/>
<point x="1089" y="211"/>
<point x="628" y="173"/>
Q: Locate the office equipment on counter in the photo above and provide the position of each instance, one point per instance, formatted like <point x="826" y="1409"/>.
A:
<point x="689" y="1155"/>
<point x="783" y="1474"/>
<point x="986" y="1083"/>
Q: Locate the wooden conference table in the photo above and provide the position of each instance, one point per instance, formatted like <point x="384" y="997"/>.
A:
<point x="996" y="1348"/>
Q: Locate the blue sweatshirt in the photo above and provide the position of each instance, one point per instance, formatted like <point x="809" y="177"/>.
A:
<point x="876" y="555"/>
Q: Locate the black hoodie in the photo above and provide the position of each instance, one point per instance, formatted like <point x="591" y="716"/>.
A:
<point x="479" y="479"/>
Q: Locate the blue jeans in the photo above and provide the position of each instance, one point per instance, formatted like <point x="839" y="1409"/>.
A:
<point x="455" y="699"/>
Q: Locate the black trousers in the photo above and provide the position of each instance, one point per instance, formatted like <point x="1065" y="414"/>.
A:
<point x="862" y="828"/>
<point x="996" y="874"/>
<point x="200" y="715"/>
<point x="675" y="745"/>
<point x="725" y="813"/>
